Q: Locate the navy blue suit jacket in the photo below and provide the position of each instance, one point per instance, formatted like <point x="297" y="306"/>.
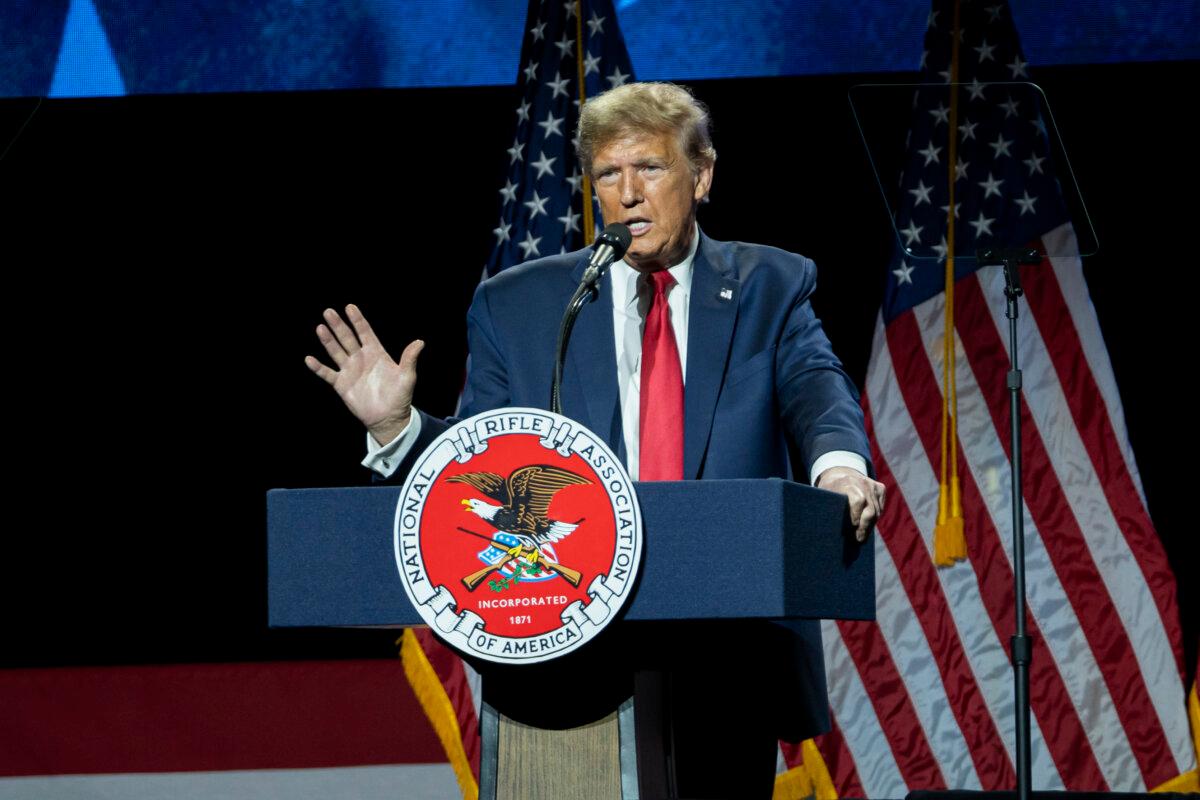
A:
<point x="760" y="373"/>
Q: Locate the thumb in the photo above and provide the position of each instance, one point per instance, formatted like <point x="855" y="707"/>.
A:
<point x="408" y="359"/>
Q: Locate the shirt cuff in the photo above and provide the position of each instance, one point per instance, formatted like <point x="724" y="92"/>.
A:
<point x="385" y="458"/>
<point x="837" y="458"/>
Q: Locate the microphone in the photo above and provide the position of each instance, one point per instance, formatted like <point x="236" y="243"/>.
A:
<point x="610" y="246"/>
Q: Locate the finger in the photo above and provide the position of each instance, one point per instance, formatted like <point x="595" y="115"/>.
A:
<point x="341" y="330"/>
<point x="323" y="372"/>
<point x="362" y="328"/>
<point x="408" y="359"/>
<point x="332" y="346"/>
<point x="874" y="510"/>
<point x="858" y="504"/>
<point x="867" y="521"/>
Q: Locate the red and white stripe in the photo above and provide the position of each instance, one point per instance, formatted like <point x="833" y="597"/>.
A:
<point x="256" y="730"/>
<point x="923" y="698"/>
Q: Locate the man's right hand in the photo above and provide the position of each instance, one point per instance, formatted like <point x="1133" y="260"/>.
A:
<point x="375" y="388"/>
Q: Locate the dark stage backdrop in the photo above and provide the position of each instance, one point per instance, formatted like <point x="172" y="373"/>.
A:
<point x="167" y="258"/>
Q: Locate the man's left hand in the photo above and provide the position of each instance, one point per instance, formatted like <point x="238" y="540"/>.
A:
<point x="865" y="496"/>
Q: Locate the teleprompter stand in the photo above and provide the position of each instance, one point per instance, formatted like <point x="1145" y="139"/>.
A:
<point x="717" y="553"/>
<point x="1022" y="646"/>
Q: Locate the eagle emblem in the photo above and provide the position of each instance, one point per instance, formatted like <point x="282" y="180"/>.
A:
<point x="521" y="509"/>
<point x="533" y="485"/>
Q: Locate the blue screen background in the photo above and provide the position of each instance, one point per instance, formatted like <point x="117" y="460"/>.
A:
<point x="68" y="48"/>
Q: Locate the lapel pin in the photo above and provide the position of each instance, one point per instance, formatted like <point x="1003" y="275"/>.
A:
<point x="727" y="294"/>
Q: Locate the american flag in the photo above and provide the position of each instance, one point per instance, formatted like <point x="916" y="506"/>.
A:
<point x="542" y="201"/>
<point x="542" y="212"/>
<point x="923" y="698"/>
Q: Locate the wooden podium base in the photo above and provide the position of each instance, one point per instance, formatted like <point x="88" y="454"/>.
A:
<point x="576" y="764"/>
<point x="594" y="761"/>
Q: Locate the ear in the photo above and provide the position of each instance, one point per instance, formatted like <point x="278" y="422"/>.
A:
<point x="703" y="183"/>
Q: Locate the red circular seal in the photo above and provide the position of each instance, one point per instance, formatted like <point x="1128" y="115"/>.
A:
<point x="518" y="535"/>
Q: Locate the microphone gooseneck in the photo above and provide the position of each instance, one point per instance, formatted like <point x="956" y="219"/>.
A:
<point x="610" y="246"/>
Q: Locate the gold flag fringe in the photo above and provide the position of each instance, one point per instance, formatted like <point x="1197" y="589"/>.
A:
<point x="438" y="709"/>
<point x="1188" y="782"/>
<point x="810" y="778"/>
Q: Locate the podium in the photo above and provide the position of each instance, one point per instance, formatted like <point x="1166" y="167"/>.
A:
<point x="727" y="552"/>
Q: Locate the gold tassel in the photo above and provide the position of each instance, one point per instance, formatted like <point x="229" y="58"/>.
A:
<point x="589" y="223"/>
<point x="949" y="539"/>
<point x="949" y="536"/>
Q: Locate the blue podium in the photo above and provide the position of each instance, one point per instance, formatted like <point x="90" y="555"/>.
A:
<point x="726" y="553"/>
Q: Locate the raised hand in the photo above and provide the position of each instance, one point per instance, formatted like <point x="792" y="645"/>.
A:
<point x="376" y="389"/>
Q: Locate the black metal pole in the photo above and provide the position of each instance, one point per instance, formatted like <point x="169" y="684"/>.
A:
<point x="610" y="246"/>
<point x="585" y="294"/>
<point x="1021" y="644"/>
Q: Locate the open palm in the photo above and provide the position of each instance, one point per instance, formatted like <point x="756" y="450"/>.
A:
<point x="376" y="389"/>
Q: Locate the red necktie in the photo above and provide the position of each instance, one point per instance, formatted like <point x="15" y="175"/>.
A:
<point x="661" y="401"/>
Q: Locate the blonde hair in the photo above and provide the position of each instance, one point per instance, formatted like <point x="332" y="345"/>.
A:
<point x="646" y="108"/>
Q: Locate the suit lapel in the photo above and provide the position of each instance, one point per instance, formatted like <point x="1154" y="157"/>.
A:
<point x="712" y="311"/>
<point x="592" y="364"/>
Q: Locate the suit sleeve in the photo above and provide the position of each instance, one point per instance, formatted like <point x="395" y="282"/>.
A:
<point x="817" y="400"/>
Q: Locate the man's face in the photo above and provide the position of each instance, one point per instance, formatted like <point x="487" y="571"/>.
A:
<point x="645" y="182"/>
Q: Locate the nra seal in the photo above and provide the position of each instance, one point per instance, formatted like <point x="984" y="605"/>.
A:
<point x="518" y="536"/>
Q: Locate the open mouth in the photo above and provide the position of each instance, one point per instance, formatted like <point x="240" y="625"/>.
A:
<point x="638" y="226"/>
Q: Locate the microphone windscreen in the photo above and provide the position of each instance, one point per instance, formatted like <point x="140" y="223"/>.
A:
<point x="618" y="237"/>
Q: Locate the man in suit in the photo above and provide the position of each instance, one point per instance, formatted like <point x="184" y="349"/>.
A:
<point x="700" y="359"/>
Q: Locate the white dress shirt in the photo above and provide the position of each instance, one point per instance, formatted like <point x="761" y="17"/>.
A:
<point x="631" y="302"/>
<point x="629" y="313"/>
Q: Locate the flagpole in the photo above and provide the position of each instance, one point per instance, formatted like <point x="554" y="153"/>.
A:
<point x="589" y="220"/>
